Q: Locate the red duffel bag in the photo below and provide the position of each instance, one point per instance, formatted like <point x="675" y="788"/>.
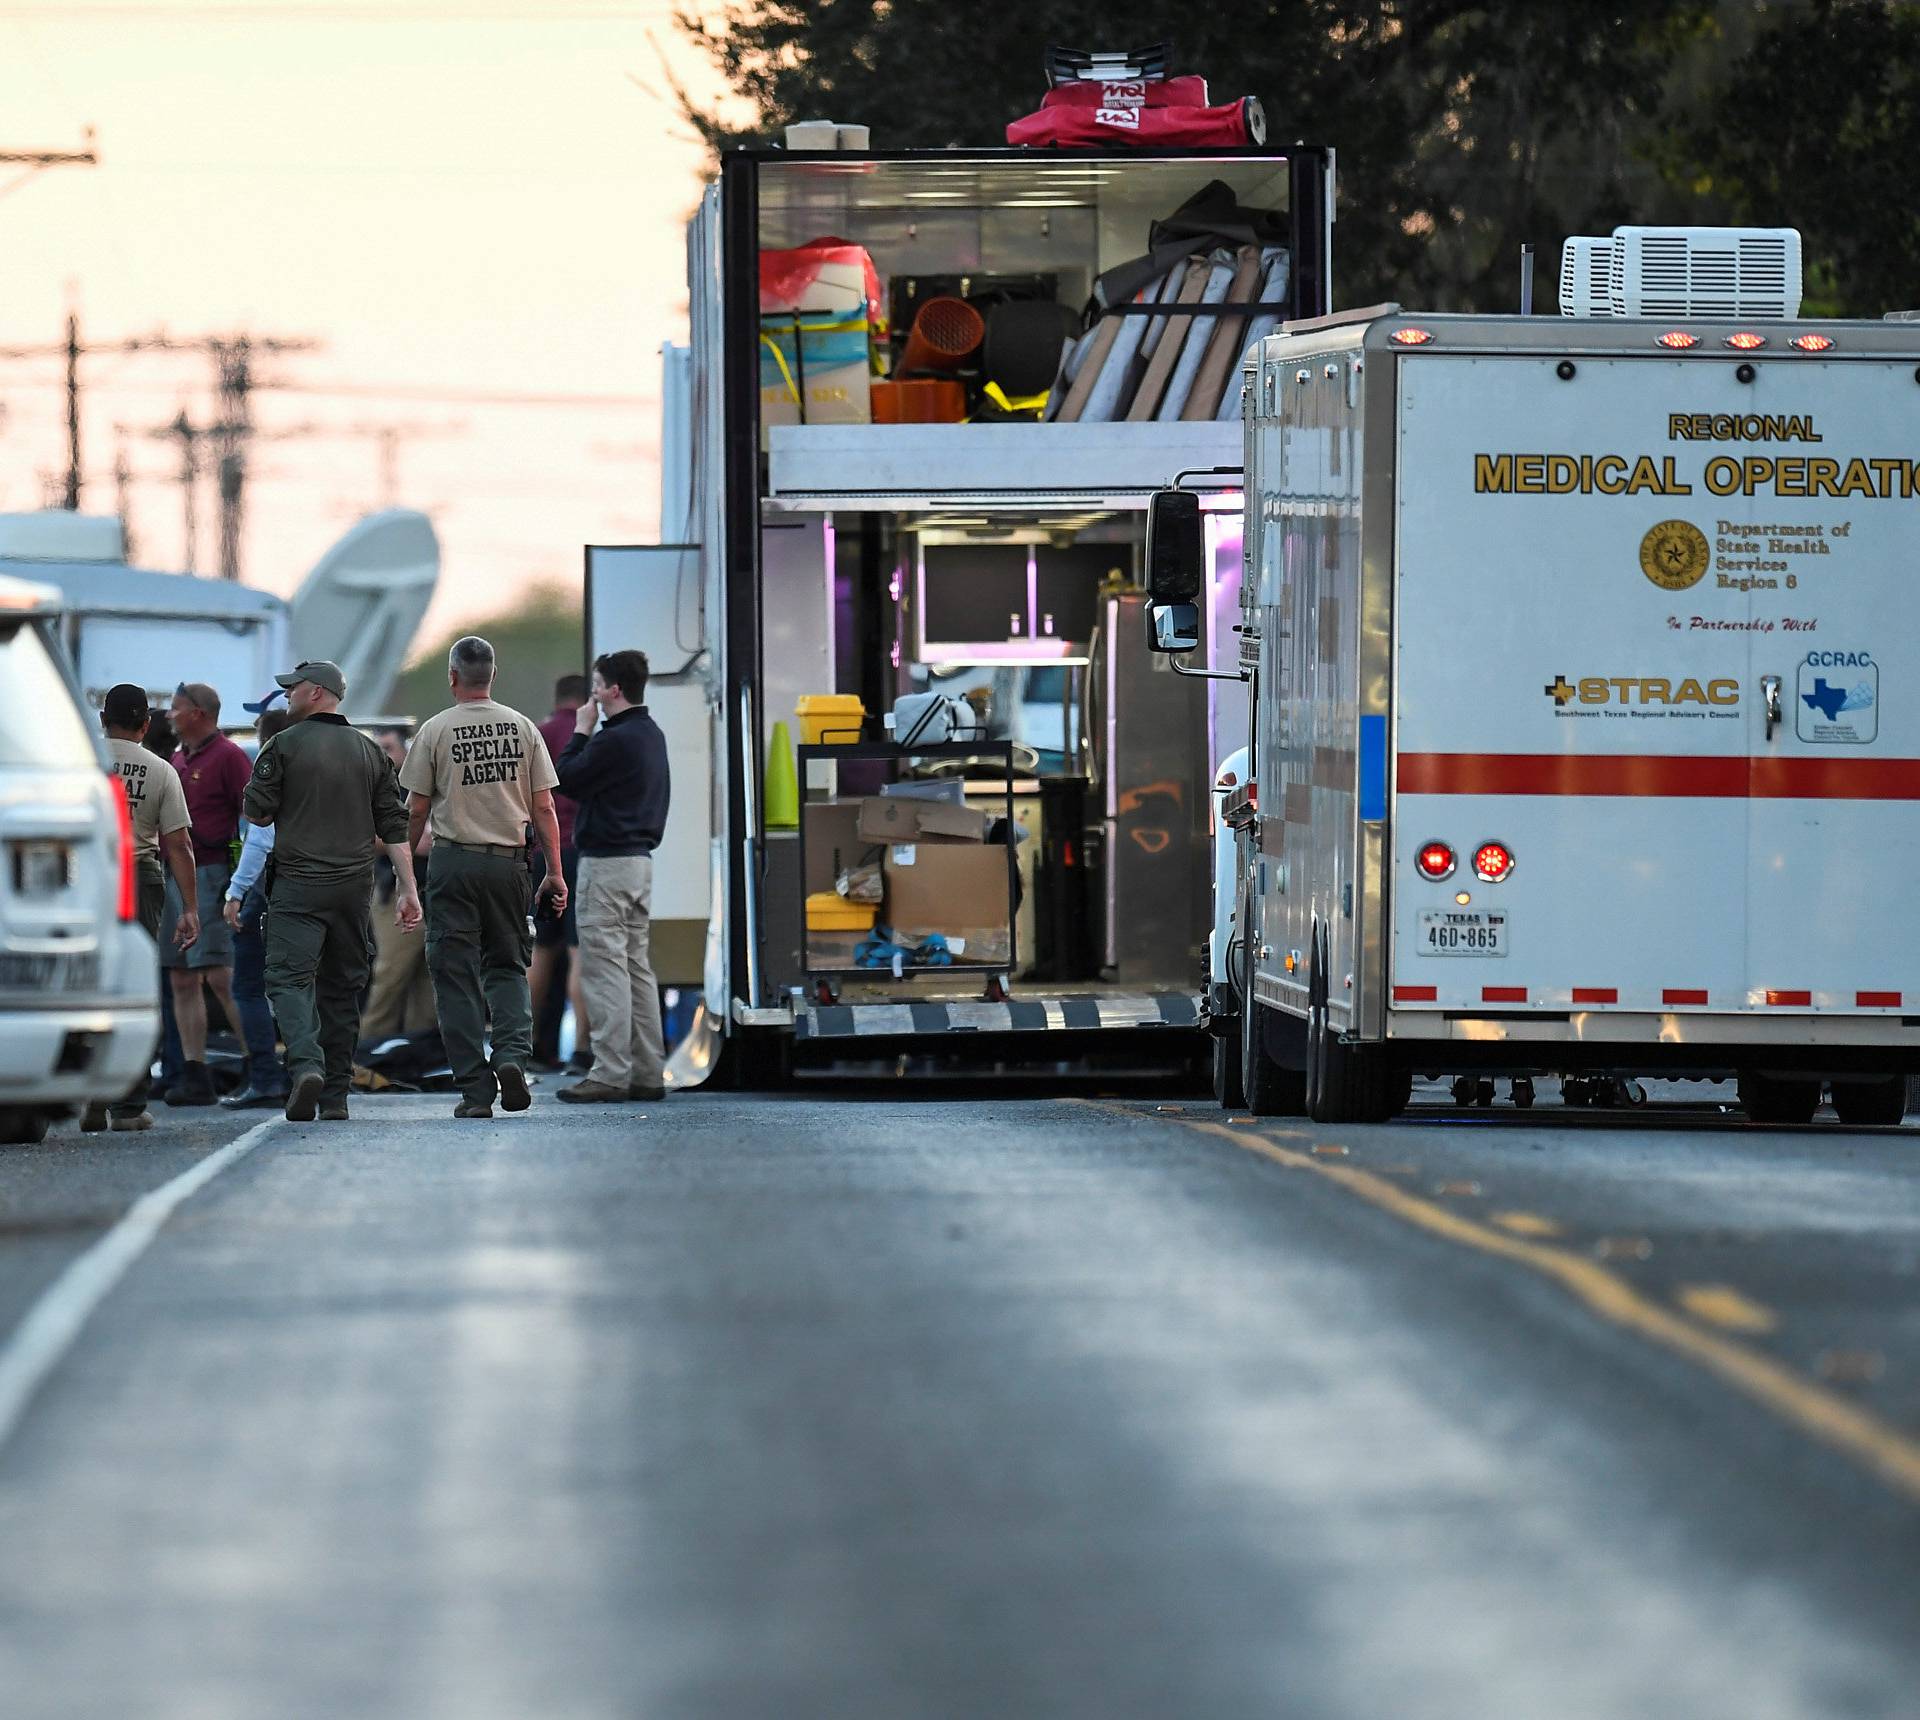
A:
<point x="1231" y="125"/>
<point x="1189" y="92"/>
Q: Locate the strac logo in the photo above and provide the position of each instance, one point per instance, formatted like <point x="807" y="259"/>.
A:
<point x="1640" y="690"/>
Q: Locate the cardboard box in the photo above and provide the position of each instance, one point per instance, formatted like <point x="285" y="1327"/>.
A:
<point x="833" y="841"/>
<point x="895" y="819"/>
<point x="948" y="887"/>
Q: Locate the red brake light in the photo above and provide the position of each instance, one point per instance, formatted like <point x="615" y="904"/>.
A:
<point x="1811" y="343"/>
<point x="1744" y="342"/>
<point x="129" y="904"/>
<point x="1492" y="861"/>
<point x="1410" y="337"/>
<point x="1677" y="340"/>
<point x="1435" y="860"/>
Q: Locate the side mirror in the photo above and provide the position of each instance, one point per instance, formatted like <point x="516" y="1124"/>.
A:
<point x="1173" y="627"/>
<point x="1176" y="547"/>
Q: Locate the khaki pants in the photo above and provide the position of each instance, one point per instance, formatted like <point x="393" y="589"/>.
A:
<point x="401" y="1000"/>
<point x="616" y="969"/>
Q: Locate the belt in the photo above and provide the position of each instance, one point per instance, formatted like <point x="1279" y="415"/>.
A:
<point x="500" y="848"/>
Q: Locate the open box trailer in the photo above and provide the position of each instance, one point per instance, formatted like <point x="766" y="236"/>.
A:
<point x="813" y="542"/>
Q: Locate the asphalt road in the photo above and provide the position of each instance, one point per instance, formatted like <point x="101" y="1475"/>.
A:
<point x="852" y="1403"/>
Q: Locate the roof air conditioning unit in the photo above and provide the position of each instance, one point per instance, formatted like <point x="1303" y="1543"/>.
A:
<point x="1722" y="272"/>
<point x="1584" y="266"/>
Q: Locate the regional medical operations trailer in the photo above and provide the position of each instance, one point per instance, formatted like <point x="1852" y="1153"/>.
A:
<point x="1583" y="736"/>
<point x="868" y="560"/>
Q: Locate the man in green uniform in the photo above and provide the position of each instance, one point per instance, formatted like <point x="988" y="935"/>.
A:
<point x="480" y="771"/>
<point x="330" y="795"/>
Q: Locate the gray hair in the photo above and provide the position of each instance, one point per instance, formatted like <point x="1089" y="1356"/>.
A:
<point x="472" y="660"/>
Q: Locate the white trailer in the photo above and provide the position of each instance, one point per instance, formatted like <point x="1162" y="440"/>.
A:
<point x="1578" y="657"/>
<point x="809" y="554"/>
<point x="120" y="623"/>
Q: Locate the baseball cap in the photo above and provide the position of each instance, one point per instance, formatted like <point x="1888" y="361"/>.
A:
<point x="265" y="702"/>
<point x="125" y="706"/>
<point x="321" y="674"/>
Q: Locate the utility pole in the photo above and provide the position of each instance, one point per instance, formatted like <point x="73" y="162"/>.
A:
<point x="184" y="431"/>
<point x="72" y="503"/>
<point x="230" y="433"/>
<point x="123" y="495"/>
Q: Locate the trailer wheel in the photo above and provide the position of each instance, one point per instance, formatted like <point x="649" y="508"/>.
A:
<point x="22" y="1126"/>
<point x="1348" y="1083"/>
<point x="1778" y="1100"/>
<point x="1871" y="1104"/>
<point x="1226" y="1068"/>
<point x="1270" y="1089"/>
<point x="757" y="1061"/>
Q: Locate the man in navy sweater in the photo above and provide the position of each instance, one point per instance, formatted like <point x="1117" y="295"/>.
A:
<point x="619" y="779"/>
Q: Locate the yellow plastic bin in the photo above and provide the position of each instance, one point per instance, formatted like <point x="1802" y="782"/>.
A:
<point x="828" y="911"/>
<point x="829" y="719"/>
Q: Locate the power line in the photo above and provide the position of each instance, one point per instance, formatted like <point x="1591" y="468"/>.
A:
<point x="347" y="14"/>
<point x="463" y="396"/>
<point x="230" y="433"/>
<point x="37" y="161"/>
<point x="422" y="392"/>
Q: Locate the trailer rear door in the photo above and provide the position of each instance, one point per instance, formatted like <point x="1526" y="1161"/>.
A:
<point x="1603" y="581"/>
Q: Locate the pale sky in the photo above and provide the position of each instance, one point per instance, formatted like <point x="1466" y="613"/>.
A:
<point x="456" y="197"/>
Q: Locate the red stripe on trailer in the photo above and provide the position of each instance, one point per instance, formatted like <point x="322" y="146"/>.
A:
<point x="1876" y="1000"/>
<point x="1683" y="997"/>
<point x="1503" y="994"/>
<point x="1676" y="778"/>
<point x="1416" y="994"/>
<point x="1790" y="999"/>
<point x="1595" y="994"/>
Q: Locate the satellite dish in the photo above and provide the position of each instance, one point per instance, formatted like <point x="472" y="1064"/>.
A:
<point x="364" y="601"/>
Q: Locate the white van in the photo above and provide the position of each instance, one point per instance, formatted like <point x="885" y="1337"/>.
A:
<point x="79" y="977"/>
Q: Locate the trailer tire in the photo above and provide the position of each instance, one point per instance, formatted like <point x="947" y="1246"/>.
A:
<point x="23" y="1126"/>
<point x="1348" y="1083"/>
<point x="1871" y="1104"/>
<point x="1778" y="1100"/>
<point x="1227" y="1087"/>
<point x="757" y="1061"/>
<point x="1270" y="1089"/>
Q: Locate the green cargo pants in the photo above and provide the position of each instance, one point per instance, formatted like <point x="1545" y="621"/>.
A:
<point x="317" y="967"/>
<point x="477" y="953"/>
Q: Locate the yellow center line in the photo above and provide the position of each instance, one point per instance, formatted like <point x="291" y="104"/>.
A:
<point x="1722" y="1305"/>
<point x="1836" y="1422"/>
<point x="1525" y="1223"/>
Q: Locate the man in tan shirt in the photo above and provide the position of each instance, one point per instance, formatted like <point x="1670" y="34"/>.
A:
<point x="480" y="773"/>
<point x="158" y="804"/>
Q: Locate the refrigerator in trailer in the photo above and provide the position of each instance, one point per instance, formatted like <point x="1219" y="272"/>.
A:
<point x="1146" y="734"/>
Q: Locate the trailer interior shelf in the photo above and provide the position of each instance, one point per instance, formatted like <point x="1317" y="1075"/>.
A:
<point x="852" y="468"/>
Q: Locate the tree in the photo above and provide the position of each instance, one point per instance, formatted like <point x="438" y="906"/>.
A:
<point x="1817" y="125"/>
<point x="1462" y="128"/>
<point x="536" y="641"/>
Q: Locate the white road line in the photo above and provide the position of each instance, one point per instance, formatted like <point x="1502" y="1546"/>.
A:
<point x="41" y="1341"/>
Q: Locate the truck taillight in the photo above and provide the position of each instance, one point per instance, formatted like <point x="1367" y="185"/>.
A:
<point x="1492" y="861"/>
<point x="129" y="904"/>
<point x="1410" y="337"/>
<point x="1435" y="861"/>
<point x="1677" y="340"/>
<point x="1744" y="342"/>
<point x="1811" y="343"/>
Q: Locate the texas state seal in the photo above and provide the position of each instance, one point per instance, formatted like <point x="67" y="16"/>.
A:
<point x="1674" y="555"/>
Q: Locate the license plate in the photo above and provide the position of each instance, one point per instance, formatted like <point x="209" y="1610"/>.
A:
<point x="41" y="868"/>
<point x="1463" y="932"/>
<point x="77" y="972"/>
